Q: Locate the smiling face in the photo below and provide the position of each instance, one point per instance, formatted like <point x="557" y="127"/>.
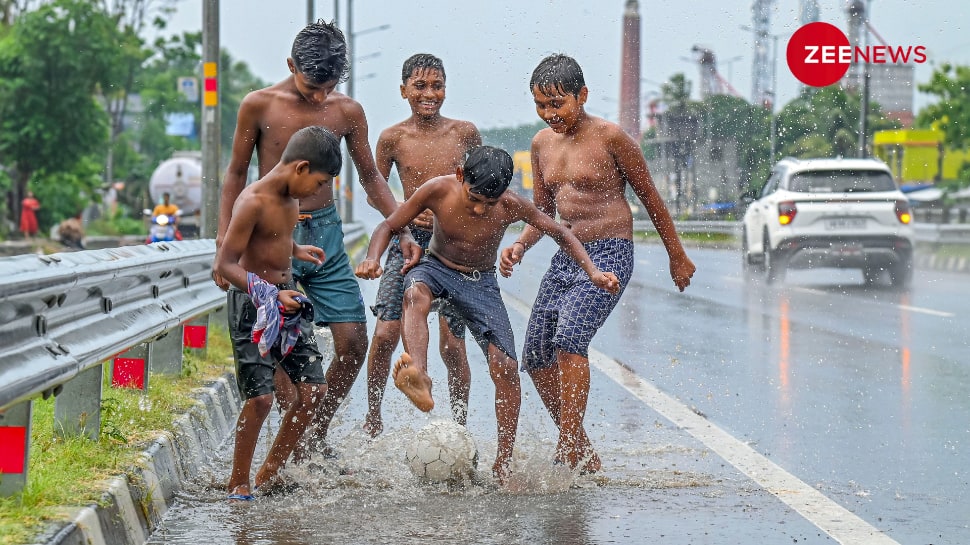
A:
<point x="560" y="110"/>
<point x="424" y="91"/>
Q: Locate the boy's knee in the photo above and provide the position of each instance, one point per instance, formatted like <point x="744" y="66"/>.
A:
<point x="262" y="405"/>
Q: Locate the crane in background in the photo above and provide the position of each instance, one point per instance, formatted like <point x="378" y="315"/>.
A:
<point x="712" y="83"/>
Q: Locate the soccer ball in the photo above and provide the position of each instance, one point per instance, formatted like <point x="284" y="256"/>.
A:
<point x="442" y="451"/>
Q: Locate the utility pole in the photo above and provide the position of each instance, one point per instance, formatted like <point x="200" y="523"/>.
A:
<point x="864" y="91"/>
<point x="309" y="12"/>
<point x="347" y="184"/>
<point x="210" y="119"/>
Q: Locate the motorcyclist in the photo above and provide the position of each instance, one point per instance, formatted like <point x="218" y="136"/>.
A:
<point x="171" y="213"/>
<point x="166" y="208"/>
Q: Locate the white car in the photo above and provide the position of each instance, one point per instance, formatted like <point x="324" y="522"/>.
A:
<point x="845" y="213"/>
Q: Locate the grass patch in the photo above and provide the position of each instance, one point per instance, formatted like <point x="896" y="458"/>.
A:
<point x="70" y="471"/>
<point x="951" y="250"/>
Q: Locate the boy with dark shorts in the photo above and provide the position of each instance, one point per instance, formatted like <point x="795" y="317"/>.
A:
<point x="421" y="147"/>
<point x="266" y="120"/>
<point x="266" y="315"/>
<point x="472" y="210"/>
<point x="581" y="166"/>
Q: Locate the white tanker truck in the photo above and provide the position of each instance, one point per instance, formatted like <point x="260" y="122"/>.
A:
<point x="181" y="178"/>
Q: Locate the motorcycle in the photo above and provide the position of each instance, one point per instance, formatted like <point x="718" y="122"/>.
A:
<point x="163" y="227"/>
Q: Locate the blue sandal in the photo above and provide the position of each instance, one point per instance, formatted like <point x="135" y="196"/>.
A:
<point x="240" y="497"/>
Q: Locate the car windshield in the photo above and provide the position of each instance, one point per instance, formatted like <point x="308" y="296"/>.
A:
<point x="841" y="181"/>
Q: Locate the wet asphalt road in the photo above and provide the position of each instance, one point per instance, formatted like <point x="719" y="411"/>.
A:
<point x="820" y="410"/>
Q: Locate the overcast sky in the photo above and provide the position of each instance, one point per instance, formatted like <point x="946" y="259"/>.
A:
<point x="490" y="47"/>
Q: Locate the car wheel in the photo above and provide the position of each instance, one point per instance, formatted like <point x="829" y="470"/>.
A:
<point x="901" y="273"/>
<point x="748" y="268"/>
<point x="774" y="263"/>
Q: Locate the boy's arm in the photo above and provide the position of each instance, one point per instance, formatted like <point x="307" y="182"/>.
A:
<point x="395" y="223"/>
<point x="633" y="168"/>
<point x="236" y="239"/>
<point x="545" y="201"/>
<point x="570" y="244"/>
<point x="372" y="180"/>
<point x="243" y="143"/>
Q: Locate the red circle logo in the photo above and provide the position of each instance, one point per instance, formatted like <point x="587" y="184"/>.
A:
<point x="819" y="54"/>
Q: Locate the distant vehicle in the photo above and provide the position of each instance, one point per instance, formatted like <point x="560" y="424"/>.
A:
<point x="844" y="213"/>
<point x="181" y="178"/>
<point x="163" y="227"/>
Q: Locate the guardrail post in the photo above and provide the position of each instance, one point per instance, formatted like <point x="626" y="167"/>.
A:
<point x="196" y="335"/>
<point x="77" y="409"/>
<point x="14" y="448"/>
<point x="165" y="353"/>
<point x="130" y="368"/>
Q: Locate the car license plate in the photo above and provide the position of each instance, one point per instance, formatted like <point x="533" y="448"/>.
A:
<point x="842" y="224"/>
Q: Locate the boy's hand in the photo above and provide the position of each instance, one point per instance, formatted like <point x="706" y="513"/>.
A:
<point x="425" y="220"/>
<point x="681" y="270"/>
<point x="220" y="281"/>
<point x="606" y="281"/>
<point x="369" y="269"/>
<point x="286" y="298"/>
<point x="309" y="253"/>
<point x="411" y="250"/>
<point x="511" y="256"/>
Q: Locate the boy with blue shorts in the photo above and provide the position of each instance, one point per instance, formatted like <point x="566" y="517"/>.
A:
<point x="581" y="166"/>
<point x="472" y="211"/>
<point x="266" y="120"/>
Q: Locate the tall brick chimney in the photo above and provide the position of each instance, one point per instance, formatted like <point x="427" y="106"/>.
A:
<point x="630" y="71"/>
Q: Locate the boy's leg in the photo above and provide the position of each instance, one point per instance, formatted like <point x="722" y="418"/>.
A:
<point x="455" y="357"/>
<point x="387" y="309"/>
<point x="292" y="426"/>
<point x="248" y="425"/>
<point x="350" y="349"/>
<point x="284" y="390"/>
<point x="508" y="399"/>
<point x="386" y="336"/>
<point x="411" y="371"/>
<point x="549" y="383"/>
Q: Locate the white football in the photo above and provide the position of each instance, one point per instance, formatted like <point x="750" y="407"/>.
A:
<point x="442" y="451"/>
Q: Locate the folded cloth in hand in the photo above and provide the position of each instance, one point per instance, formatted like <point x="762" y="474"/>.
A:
<point x="273" y="324"/>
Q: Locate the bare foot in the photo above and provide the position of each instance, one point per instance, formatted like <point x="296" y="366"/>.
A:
<point x="373" y="425"/>
<point x="593" y="463"/>
<point x="414" y="382"/>
<point x="501" y="471"/>
<point x="239" y="494"/>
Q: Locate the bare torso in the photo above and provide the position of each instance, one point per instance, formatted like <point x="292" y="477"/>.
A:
<point x="465" y="241"/>
<point x="283" y="112"/>
<point x="270" y="246"/>
<point x="582" y="176"/>
<point x="422" y="151"/>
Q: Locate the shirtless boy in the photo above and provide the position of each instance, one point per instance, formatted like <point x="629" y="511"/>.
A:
<point x="266" y="120"/>
<point x="422" y="147"/>
<point x="581" y="166"/>
<point x="472" y="210"/>
<point x="255" y="258"/>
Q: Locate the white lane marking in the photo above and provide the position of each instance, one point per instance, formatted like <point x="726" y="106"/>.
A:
<point x="928" y="311"/>
<point x="838" y="522"/>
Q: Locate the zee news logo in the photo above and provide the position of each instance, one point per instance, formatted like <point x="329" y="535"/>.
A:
<point x="819" y="54"/>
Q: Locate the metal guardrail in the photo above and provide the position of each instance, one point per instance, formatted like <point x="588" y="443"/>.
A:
<point x="926" y="233"/>
<point x="63" y="313"/>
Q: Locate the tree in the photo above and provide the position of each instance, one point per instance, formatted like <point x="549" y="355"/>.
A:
<point x="733" y="118"/>
<point x="51" y="64"/>
<point x="951" y="114"/>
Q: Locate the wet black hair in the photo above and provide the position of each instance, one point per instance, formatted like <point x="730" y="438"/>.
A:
<point x="320" y="53"/>
<point x="488" y="171"/>
<point x="317" y="145"/>
<point x="421" y="61"/>
<point x="560" y="73"/>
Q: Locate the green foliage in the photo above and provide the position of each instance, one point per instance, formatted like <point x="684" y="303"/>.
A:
<point x="730" y="117"/>
<point x="825" y="123"/>
<point x="512" y="139"/>
<point x="118" y="223"/>
<point x="951" y="114"/>
<point x="65" y="193"/>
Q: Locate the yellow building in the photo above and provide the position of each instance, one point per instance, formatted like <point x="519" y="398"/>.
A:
<point x="522" y="172"/>
<point x="918" y="155"/>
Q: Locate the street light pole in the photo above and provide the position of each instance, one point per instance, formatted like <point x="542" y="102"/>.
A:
<point x="864" y="101"/>
<point x="347" y="184"/>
